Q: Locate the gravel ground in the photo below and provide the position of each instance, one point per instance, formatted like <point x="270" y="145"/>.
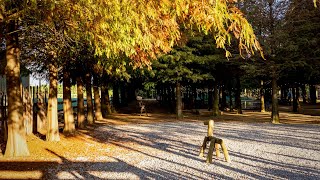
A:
<point x="170" y="151"/>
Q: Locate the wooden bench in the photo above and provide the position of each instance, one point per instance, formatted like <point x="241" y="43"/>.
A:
<point x="214" y="144"/>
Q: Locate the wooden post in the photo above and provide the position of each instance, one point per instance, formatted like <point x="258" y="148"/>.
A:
<point x="210" y="124"/>
<point x="203" y="147"/>
<point x="225" y="151"/>
<point x="210" y="128"/>
<point x="216" y="146"/>
<point x="210" y="153"/>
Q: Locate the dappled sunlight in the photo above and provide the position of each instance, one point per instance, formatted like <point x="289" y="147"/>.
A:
<point x="27" y="174"/>
<point x="122" y="119"/>
<point x="285" y="117"/>
<point x="170" y="150"/>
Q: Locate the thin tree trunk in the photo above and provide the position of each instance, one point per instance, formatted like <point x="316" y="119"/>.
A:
<point x="238" y="96"/>
<point x="16" y="143"/>
<point x="53" y="128"/>
<point x="313" y="94"/>
<point x="283" y="94"/>
<point x="194" y="97"/>
<point x="115" y="99"/>
<point x="131" y="92"/>
<point x="80" y="109"/>
<point x="230" y="99"/>
<point x="106" y="105"/>
<point x="97" y="100"/>
<point x="69" y="125"/>
<point x="173" y="96"/>
<point x="275" y="109"/>
<point x="124" y="101"/>
<point x="90" y="117"/>
<point x="262" y="106"/>
<point x="178" y="101"/>
<point x="210" y="96"/>
<point x="215" y="107"/>
<point x="29" y="111"/>
<point x="223" y="98"/>
<point x="297" y="97"/>
<point x="304" y="93"/>
<point x="294" y="103"/>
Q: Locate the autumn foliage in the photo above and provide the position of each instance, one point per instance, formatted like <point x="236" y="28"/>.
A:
<point x="144" y="29"/>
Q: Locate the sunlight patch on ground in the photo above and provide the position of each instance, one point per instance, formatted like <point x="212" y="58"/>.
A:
<point x="20" y="175"/>
<point x="69" y="175"/>
<point x="113" y="175"/>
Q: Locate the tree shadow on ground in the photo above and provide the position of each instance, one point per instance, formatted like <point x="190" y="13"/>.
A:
<point x="180" y="139"/>
<point x="174" y="138"/>
<point x="66" y="168"/>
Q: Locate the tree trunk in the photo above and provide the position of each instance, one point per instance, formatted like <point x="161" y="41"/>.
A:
<point x="210" y="96"/>
<point x="275" y="110"/>
<point x="173" y="96"/>
<point x="115" y="99"/>
<point x="215" y="107"/>
<point x="262" y="106"/>
<point x="178" y="101"/>
<point x="131" y="92"/>
<point x="28" y="111"/>
<point x="52" y="115"/>
<point x="97" y="100"/>
<point x="294" y="103"/>
<point x="313" y="94"/>
<point x="123" y="96"/>
<point x="16" y="143"/>
<point x="80" y="109"/>
<point x="106" y="105"/>
<point x="69" y="126"/>
<point x="223" y="99"/>
<point x="40" y="114"/>
<point x="230" y="99"/>
<point x="304" y="93"/>
<point x="90" y="118"/>
<point x="238" y="96"/>
<point x="284" y="94"/>
<point x="297" y="97"/>
<point x="194" y="97"/>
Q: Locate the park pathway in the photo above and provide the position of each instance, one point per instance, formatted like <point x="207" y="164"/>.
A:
<point x="170" y="151"/>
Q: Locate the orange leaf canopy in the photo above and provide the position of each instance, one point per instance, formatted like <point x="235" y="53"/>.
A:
<point x="143" y="29"/>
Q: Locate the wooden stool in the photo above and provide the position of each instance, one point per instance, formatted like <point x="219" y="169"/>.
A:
<point x="214" y="143"/>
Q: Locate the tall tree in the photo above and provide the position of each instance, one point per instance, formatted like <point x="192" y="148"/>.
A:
<point x="215" y="109"/>
<point x="154" y="28"/>
<point x="97" y="99"/>
<point x="301" y="45"/>
<point x="16" y="143"/>
<point x="90" y="115"/>
<point x="52" y="114"/>
<point x="69" y="125"/>
<point x="80" y="102"/>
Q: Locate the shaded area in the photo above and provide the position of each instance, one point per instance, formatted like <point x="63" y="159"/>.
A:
<point x="169" y="150"/>
<point x="183" y="139"/>
<point x="73" y="169"/>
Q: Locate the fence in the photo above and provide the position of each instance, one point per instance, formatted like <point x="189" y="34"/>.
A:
<point x="34" y="107"/>
<point x="3" y="114"/>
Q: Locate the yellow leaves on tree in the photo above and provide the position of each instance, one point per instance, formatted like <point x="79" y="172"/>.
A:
<point x="143" y="29"/>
